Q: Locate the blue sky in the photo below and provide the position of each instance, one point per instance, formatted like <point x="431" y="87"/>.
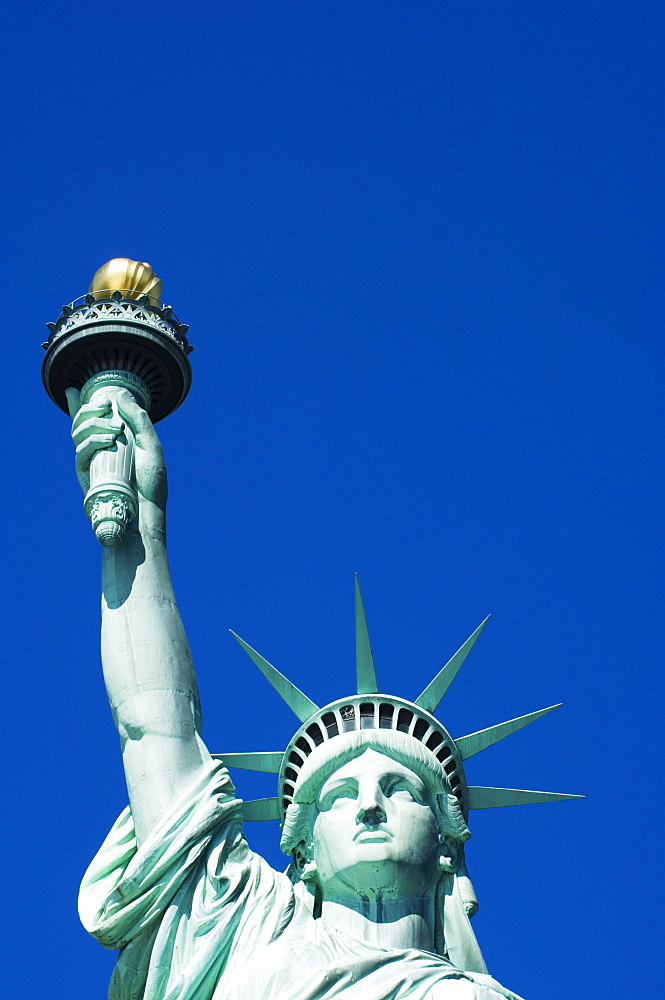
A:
<point x="419" y="247"/>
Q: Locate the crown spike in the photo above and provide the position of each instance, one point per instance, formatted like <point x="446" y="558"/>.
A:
<point x="298" y="702"/>
<point x="366" y="682"/>
<point x="260" y="809"/>
<point x="435" y="690"/>
<point x="492" y="798"/>
<point x="269" y="761"/>
<point x="484" y="738"/>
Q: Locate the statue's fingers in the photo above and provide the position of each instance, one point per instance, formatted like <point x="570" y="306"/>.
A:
<point x="88" y="410"/>
<point x="73" y="401"/>
<point x="135" y="415"/>
<point x="94" y="426"/>
<point x="92" y="444"/>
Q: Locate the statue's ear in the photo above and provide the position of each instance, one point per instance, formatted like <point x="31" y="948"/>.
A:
<point x="450" y="854"/>
<point x="299" y="862"/>
<point x="303" y="867"/>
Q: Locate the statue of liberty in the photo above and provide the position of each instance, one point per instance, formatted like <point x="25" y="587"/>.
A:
<point x="376" y="901"/>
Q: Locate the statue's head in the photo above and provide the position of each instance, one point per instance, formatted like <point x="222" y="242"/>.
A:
<point x="375" y="830"/>
<point x="373" y="811"/>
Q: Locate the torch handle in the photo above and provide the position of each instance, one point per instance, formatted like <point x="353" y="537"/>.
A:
<point x="111" y="501"/>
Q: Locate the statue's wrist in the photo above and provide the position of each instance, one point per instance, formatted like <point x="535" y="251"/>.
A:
<point x="151" y="519"/>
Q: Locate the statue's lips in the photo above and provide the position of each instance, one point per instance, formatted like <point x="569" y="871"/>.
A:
<point x="372" y="836"/>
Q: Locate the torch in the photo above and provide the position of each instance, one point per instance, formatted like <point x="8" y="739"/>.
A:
<point x="118" y="336"/>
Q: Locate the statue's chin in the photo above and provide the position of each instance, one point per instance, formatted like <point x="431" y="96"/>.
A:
<point x="377" y="876"/>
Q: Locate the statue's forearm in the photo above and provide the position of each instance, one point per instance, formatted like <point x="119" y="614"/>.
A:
<point x="149" y="672"/>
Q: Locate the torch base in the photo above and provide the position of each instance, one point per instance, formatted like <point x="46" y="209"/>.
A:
<point x="100" y="342"/>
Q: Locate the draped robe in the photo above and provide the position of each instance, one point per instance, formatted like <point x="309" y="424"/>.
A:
<point x="197" y="915"/>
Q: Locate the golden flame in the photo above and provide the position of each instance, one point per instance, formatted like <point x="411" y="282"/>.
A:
<point x="131" y="277"/>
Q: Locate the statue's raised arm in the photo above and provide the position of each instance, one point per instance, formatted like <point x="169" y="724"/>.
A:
<point x="146" y="658"/>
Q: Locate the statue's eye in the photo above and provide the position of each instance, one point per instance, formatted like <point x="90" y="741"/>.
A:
<point x="338" y="794"/>
<point x="403" y="789"/>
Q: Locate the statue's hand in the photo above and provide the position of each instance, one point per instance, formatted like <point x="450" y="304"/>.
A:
<point x="96" y="426"/>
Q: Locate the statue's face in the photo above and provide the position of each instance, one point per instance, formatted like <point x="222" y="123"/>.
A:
<point x="375" y="831"/>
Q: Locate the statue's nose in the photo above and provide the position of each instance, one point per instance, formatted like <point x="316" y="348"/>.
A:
<point x="371" y="816"/>
<point x="370" y="805"/>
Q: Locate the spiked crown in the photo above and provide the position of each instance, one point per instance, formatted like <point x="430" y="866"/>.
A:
<point x="368" y="709"/>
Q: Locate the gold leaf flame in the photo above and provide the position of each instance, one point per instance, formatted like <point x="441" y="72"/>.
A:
<point x="133" y="278"/>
